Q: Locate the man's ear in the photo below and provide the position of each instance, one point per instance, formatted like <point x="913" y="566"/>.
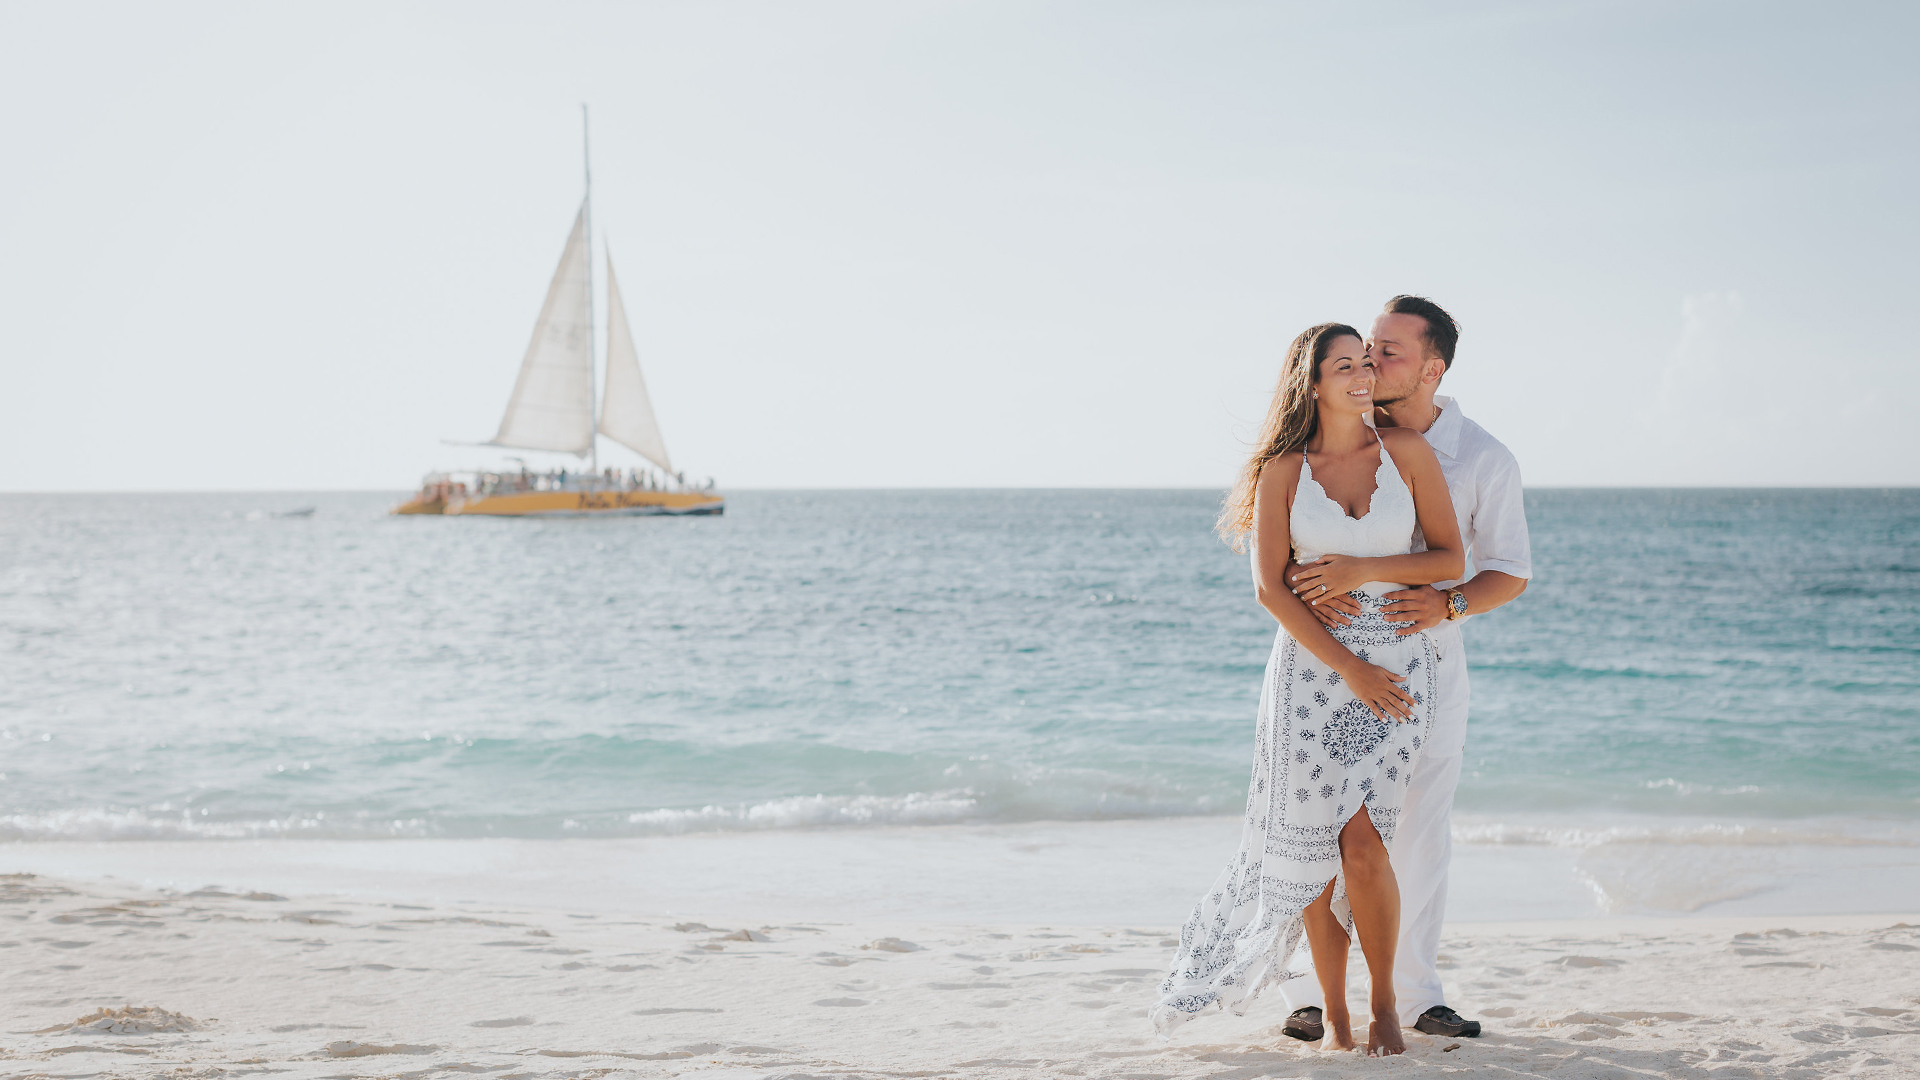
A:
<point x="1436" y="368"/>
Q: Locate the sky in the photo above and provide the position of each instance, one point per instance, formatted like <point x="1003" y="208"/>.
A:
<point x="917" y="243"/>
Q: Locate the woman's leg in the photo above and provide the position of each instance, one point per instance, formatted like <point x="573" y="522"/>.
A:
<point x="1329" y="942"/>
<point x="1375" y="897"/>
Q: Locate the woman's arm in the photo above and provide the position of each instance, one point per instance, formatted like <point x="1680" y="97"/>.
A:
<point x="1445" y="557"/>
<point x="1272" y="549"/>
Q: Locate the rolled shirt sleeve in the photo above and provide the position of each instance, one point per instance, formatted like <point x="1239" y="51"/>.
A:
<point x="1499" y="529"/>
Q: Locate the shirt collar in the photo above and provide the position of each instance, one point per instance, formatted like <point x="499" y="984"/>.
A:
<point x="1444" y="435"/>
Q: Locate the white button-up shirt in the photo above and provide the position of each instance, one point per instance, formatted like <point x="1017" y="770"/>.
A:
<point x="1484" y="480"/>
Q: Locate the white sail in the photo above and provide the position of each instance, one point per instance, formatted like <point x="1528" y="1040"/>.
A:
<point x="552" y="403"/>
<point x="626" y="412"/>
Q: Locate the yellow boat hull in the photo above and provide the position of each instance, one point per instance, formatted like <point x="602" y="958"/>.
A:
<point x="583" y="504"/>
<point x="422" y="504"/>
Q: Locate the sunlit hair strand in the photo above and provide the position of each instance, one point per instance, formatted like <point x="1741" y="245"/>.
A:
<point x="1292" y="420"/>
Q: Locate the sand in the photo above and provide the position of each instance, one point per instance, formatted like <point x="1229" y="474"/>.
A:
<point x="1146" y="871"/>
<point x="103" y="979"/>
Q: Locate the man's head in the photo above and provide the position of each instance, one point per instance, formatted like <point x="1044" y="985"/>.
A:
<point x="1412" y="345"/>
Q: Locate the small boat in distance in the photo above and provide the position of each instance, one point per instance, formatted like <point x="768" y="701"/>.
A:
<point x="554" y="408"/>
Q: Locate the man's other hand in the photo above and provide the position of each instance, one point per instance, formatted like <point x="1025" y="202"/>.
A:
<point x="1332" y="611"/>
<point x="1425" y="607"/>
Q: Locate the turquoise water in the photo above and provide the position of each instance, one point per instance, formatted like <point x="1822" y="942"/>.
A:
<point x="190" y="665"/>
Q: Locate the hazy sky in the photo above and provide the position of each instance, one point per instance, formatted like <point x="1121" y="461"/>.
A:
<point x="971" y="243"/>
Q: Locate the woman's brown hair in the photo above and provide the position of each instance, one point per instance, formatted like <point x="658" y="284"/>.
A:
<point x="1292" y="420"/>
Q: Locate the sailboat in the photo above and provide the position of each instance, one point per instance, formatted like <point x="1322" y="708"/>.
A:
<point x="554" y="409"/>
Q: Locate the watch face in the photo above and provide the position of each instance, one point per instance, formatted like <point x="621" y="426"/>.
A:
<point x="1458" y="602"/>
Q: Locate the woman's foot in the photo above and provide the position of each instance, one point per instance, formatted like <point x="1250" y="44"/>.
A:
<point x="1339" y="1030"/>
<point x="1383" y="1035"/>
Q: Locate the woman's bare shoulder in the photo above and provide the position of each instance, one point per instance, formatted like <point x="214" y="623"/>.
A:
<point x="1284" y="469"/>
<point x="1277" y="480"/>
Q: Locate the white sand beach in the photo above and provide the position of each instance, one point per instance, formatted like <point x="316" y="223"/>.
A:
<point x="369" y="972"/>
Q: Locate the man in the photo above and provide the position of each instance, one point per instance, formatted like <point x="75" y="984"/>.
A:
<point x="1412" y="347"/>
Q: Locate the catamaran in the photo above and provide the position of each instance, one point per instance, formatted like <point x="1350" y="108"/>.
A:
<point x="555" y="408"/>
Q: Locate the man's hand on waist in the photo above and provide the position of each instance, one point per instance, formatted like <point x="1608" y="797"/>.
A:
<point x="1425" y="607"/>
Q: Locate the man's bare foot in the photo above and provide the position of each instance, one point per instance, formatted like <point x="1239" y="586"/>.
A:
<point x="1383" y="1035"/>
<point x="1339" y="1030"/>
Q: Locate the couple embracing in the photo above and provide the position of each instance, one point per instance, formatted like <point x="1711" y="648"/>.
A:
<point x="1380" y="518"/>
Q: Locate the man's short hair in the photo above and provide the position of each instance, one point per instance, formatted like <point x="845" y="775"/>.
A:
<point x="1442" y="332"/>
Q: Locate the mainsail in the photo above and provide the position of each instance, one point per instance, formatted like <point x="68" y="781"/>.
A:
<point x="626" y="412"/>
<point x="552" y="403"/>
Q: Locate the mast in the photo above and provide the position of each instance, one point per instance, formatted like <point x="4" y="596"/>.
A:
<point x="586" y="160"/>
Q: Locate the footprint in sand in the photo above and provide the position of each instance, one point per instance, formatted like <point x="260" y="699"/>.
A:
<point x="1587" y="962"/>
<point x="349" y="1048"/>
<point x="511" y="1021"/>
<point x="840" y="1002"/>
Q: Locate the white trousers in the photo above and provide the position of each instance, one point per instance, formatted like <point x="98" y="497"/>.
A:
<point x="1422" y="849"/>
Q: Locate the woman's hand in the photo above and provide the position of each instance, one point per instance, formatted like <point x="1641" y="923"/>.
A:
<point x="1335" y="610"/>
<point x="1329" y="575"/>
<point x="1380" y="690"/>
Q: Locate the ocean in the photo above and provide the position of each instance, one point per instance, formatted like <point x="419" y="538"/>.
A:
<point x="1706" y="669"/>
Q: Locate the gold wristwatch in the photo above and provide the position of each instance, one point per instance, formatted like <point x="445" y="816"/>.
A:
<point x="1456" y="605"/>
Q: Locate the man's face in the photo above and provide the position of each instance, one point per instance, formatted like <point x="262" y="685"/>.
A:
<point x="1400" y="354"/>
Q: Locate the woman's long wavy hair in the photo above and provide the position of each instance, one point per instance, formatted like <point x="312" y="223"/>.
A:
<point x="1292" y="420"/>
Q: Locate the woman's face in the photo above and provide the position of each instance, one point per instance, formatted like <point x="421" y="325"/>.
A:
<point x="1346" y="376"/>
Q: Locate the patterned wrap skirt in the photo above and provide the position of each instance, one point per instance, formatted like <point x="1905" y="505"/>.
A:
<point x="1319" y="757"/>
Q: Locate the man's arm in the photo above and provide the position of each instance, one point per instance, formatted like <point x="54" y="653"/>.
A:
<point x="1502" y="554"/>
<point x="1488" y="589"/>
<point x="1427" y="606"/>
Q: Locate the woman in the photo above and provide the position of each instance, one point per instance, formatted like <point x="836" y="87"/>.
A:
<point x="1341" y="712"/>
